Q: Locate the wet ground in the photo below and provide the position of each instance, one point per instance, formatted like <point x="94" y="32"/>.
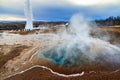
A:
<point x="96" y="71"/>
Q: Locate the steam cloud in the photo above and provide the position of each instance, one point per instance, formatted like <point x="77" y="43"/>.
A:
<point x="28" y="14"/>
<point x="76" y="47"/>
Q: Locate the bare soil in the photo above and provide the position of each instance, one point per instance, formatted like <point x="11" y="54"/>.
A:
<point x="96" y="71"/>
<point x="42" y="74"/>
<point x="12" y="54"/>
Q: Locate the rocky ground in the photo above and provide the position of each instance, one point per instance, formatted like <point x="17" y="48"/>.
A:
<point x="42" y="74"/>
<point x="16" y="50"/>
<point x="17" y="54"/>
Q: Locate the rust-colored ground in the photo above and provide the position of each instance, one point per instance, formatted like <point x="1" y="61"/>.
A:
<point x="96" y="71"/>
<point x="12" y="54"/>
<point x="43" y="74"/>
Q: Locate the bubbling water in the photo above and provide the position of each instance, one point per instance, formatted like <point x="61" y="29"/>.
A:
<point x="77" y="47"/>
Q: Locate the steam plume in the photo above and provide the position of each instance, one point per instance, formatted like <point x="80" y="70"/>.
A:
<point x="29" y="15"/>
<point x="77" y="47"/>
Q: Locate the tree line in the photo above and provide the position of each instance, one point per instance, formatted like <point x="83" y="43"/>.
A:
<point x="110" y="21"/>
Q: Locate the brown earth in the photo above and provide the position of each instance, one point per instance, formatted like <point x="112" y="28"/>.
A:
<point x="43" y="74"/>
<point x="12" y="54"/>
<point x="99" y="71"/>
<point x="112" y="34"/>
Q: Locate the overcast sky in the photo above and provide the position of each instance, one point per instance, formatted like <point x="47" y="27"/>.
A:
<point x="59" y="10"/>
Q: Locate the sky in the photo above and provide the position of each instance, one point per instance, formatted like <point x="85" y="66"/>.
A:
<point x="59" y="10"/>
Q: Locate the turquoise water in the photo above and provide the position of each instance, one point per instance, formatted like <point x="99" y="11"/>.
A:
<point x="64" y="56"/>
